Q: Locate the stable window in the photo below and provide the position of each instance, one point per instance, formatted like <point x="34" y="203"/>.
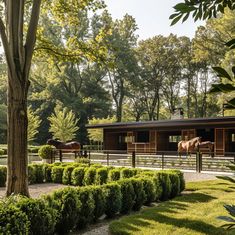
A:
<point x="143" y="136"/>
<point x="174" y="138"/>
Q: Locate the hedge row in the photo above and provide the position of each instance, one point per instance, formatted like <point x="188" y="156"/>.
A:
<point x="78" y="174"/>
<point x="75" y="208"/>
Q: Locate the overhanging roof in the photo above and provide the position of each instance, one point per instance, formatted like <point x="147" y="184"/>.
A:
<point x="192" y="122"/>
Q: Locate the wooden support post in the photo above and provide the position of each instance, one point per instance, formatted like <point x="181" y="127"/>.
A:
<point x="75" y="154"/>
<point x="163" y="160"/>
<point x="198" y="162"/>
<point x="61" y="155"/>
<point x="89" y="157"/>
<point x="133" y="159"/>
<point x="107" y="159"/>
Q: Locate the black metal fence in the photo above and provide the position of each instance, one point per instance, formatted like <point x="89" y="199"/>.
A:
<point x="198" y="161"/>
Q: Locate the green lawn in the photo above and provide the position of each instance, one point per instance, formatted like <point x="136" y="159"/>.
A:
<point x="193" y="213"/>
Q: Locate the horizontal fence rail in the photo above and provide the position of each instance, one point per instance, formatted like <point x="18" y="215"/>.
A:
<point x="196" y="161"/>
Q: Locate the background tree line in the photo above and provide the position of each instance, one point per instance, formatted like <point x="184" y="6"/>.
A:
<point x="119" y="76"/>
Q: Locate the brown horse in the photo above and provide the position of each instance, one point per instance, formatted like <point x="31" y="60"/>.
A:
<point x="188" y="145"/>
<point x="206" y="146"/>
<point x="74" y="145"/>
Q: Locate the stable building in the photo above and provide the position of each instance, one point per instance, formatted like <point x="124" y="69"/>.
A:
<point x="164" y="135"/>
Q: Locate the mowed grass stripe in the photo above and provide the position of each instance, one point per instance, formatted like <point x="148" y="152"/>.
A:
<point x="194" y="212"/>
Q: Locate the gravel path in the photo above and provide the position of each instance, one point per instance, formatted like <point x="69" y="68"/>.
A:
<point x="37" y="190"/>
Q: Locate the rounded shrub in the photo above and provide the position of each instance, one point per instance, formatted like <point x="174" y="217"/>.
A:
<point x="89" y="176"/>
<point x="31" y="174"/>
<point x="77" y="176"/>
<point x="56" y="174"/>
<point x="101" y="176"/>
<point x="165" y="184"/>
<point x="47" y="172"/>
<point x="13" y="220"/>
<point x="140" y="196"/>
<point x="126" y="173"/>
<point x="83" y="160"/>
<point x="175" y="184"/>
<point x="113" y="175"/>
<point x="42" y="217"/>
<point x="158" y="188"/>
<point x="99" y="200"/>
<point x="86" y="213"/>
<point x="66" y="178"/>
<point x="113" y="197"/>
<point x="46" y="151"/>
<point x="38" y="171"/>
<point x="1" y="152"/>
<point x="181" y="178"/>
<point x="149" y="190"/>
<point x="3" y="176"/>
<point x="67" y="206"/>
<point x="128" y="195"/>
<point x="97" y="165"/>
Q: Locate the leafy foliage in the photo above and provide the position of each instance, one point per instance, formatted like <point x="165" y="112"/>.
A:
<point x="46" y="152"/>
<point x="113" y="197"/>
<point x="33" y="124"/>
<point x="63" y="124"/>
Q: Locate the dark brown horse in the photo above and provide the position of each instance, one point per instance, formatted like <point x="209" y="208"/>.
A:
<point x="206" y="146"/>
<point x="74" y="145"/>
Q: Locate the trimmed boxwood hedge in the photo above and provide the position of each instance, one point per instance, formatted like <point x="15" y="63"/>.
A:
<point x="56" y="174"/>
<point x="101" y="176"/>
<point x="77" y="176"/>
<point x="128" y="195"/>
<point x="42" y="217"/>
<point x="86" y="212"/>
<point x="3" y="176"/>
<point x="13" y="220"/>
<point x="70" y="208"/>
<point x="89" y="176"/>
<point x="113" y="196"/>
<point x="114" y="175"/>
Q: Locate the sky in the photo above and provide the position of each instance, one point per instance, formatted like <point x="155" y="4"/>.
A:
<point x="152" y="17"/>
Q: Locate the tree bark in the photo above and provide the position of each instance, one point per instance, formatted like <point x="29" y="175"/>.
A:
<point x="17" y="173"/>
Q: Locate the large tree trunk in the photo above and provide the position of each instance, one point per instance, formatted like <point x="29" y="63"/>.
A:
<point x="17" y="180"/>
<point x="18" y="51"/>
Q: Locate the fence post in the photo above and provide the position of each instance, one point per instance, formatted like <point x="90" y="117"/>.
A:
<point x="162" y="161"/>
<point x="89" y="157"/>
<point x="198" y="162"/>
<point x="133" y="159"/>
<point x="61" y="155"/>
<point x="107" y="159"/>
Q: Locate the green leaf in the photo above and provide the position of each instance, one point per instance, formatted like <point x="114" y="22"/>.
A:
<point x="176" y="20"/>
<point x="185" y="17"/>
<point x="230" y="43"/>
<point x="222" y="88"/>
<point x="180" y="6"/>
<point x="233" y="69"/>
<point x="173" y="16"/>
<point x="232" y="102"/>
<point x="222" y="73"/>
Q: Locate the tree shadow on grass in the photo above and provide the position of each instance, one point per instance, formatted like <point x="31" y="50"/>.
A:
<point x="195" y="197"/>
<point x="165" y="214"/>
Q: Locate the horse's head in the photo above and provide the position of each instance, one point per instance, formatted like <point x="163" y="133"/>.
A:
<point x="50" y="141"/>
